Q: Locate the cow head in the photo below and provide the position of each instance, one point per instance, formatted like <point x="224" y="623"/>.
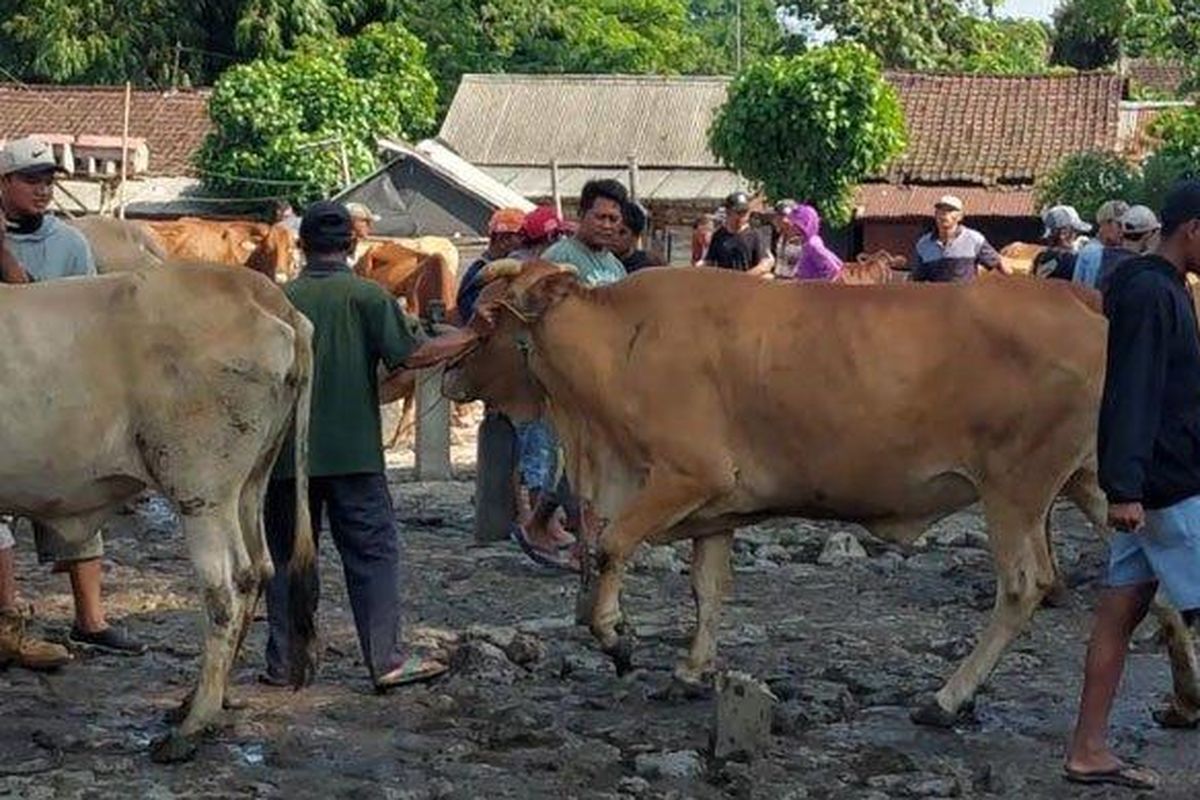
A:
<point x="490" y="358"/>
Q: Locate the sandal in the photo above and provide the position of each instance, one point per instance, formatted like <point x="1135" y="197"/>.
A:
<point x="413" y="669"/>
<point x="1129" y="776"/>
<point x="560" y="558"/>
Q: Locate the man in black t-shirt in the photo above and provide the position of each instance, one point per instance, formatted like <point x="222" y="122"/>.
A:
<point x="736" y="245"/>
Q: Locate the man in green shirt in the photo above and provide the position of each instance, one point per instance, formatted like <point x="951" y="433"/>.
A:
<point x="357" y="326"/>
<point x="601" y="205"/>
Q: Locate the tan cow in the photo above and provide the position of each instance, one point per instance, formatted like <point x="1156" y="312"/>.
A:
<point x="991" y="395"/>
<point x="1018" y="257"/>
<point x="871" y="269"/>
<point x="265" y="248"/>
<point x="416" y="271"/>
<point x="183" y="381"/>
<point x="120" y="245"/>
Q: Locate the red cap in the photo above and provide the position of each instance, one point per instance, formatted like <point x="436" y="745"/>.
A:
<point x="542" y="223"/>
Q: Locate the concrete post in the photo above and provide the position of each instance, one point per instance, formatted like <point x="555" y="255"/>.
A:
<point x="495" y="464"/>
<point x="433" y="427"/>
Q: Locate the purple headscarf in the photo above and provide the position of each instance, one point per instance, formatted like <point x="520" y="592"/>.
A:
<point x="817" y="262"/>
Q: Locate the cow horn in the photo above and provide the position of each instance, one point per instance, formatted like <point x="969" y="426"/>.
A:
<point x="504" y="268"/>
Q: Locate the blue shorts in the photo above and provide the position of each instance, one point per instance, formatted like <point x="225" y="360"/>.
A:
<point x="1167" y="550"/>
<point x="538" y="459"/>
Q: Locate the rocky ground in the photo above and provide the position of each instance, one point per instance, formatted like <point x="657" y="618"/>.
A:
<point x="532" y="710"/>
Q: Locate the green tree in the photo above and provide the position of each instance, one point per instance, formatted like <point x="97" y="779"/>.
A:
<point x="1090" y="34"/>
<point x="1088" y="180"/>
<point x="287" y="123"/>
<point x="761" y="33"/>
<point x="811" y="126"/>
<point x="907" y="34"/>
<point x="996" y="47"/>
<point x="1176" y="155"/>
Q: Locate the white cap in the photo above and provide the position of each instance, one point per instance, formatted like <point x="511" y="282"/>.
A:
<point x="1138" y="220"/>
<point x="1111" y="211"/>
<point x="949" y="201"/>
<point x="1059" y="217"/>
<point x="361" y="211"/>
<point x="28" y="155"/>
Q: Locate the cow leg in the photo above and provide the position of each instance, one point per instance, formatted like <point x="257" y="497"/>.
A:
<point x="1183" y="711"/>
<point x="711" y="582"/>
<point x="407" y="421"/>
<point x="662" y="503"/>
<point x="212" y="540"/>
<point x="1024" y="573"/>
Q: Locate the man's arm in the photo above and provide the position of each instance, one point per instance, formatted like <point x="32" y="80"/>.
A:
<point x="763" y="260"/>
<point x="394" y="334"/>
<point x="990" y="259"/>
<point x="1133" y="390"/>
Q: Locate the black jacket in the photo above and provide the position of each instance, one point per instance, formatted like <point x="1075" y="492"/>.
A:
<point x="1149" y="438"/>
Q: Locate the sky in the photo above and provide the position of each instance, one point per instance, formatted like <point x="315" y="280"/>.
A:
<point x="1038" y="9"/>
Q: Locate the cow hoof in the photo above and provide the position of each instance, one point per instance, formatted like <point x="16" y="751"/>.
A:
<point x="691" y="686"/>
<point x="1058" y="596"/>
<point x="622" y="655"/>
<point x="173" y="748"/>
<point x="932" y="715"/>
<point x="1176" y="717"/>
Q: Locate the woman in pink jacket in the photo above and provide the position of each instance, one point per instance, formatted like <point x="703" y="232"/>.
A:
<point x="817" y="262"/>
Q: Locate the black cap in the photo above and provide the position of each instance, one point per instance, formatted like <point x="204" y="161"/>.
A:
<point x="325" y="228"/>
<point x="738" y="201"/>
<point x="1181" y="206"/>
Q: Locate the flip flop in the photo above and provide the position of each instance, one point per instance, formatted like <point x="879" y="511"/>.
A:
<point x="1129" y="776"/>
<point x="414" y="669"/>
<point x="554" y="560"/>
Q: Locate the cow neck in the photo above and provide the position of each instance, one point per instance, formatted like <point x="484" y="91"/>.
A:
<point x="551" y="356"/>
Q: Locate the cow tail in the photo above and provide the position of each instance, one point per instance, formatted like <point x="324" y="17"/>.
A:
<point x="302" y="571"/>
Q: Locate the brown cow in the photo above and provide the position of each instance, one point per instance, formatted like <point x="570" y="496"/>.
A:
<point x="266" y="248"/>
<point x="417" y="273"/>
<point x="770" y="426"/>
<point x="1018" y="257"/>
<point x="873" y="269"/>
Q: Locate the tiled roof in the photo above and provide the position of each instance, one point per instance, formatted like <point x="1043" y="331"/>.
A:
<point x="962" y="128"/>
<point x="1161" y="76"/>
<point x="173" y="124"/>
<point x="888" y="201"/>
<point x="1001" y="130"/>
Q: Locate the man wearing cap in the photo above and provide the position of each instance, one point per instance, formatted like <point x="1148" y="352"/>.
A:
<point x="1108" y="235"/>
<point x="1139" y="234"/>
<point x="952" y="252"/>
<point x="38" y="245"/>
<point x="1063" y="236"/>
<point x="357" y="326"/>
<point x="1149" y="468"/>
<point x="735" y="245"/>
<point x="504" y="236"/>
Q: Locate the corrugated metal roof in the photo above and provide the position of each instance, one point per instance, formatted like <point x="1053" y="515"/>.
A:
<point x="443" y="161"/>
<point x="674" y="185"/>
<point x="889" y="201"/>
<point x="584" y="120"/>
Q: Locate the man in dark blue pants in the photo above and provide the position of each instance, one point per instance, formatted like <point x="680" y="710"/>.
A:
<point x="357" y="327"/>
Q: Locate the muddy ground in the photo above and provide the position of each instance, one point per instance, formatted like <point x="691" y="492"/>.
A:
<point x="848" y="648"/>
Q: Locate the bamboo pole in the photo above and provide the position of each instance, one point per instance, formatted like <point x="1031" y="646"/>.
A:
<point x="124" y="151"/>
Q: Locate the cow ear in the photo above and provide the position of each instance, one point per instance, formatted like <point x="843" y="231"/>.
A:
<point x="548" y="292"/>
<point x="446" y="347"/>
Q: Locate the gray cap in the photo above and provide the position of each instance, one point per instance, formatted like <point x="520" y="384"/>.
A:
<point x="28" y="156"/>
<point x="1059" y="217"/>
<point x="1139" y="220"/>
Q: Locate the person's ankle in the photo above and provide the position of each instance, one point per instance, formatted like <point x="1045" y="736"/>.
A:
<point x="91" y="625"/>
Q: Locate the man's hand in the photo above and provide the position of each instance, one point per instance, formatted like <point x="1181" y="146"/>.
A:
<point x="10" y="270"/>
<point x="1128" y="517"/>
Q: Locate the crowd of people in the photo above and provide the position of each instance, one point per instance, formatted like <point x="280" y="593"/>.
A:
<point x="1148" y="438"/>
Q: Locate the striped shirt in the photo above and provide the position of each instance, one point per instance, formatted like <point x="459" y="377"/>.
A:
<point x="955" y="260"/>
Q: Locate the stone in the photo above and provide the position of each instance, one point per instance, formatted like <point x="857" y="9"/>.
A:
<point x="682" y="764"/>
<point x="525" y="649"/>
<point x="839" y="548"/>
<point x="742" y="725"/>
<point x="951" y="538"/>
<point x="775" y="552"/>
<point x="477" y="658"/>
<point x="658" y="559"/>
<point x="888" y="563"/>
<point x="634" y="786"/>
